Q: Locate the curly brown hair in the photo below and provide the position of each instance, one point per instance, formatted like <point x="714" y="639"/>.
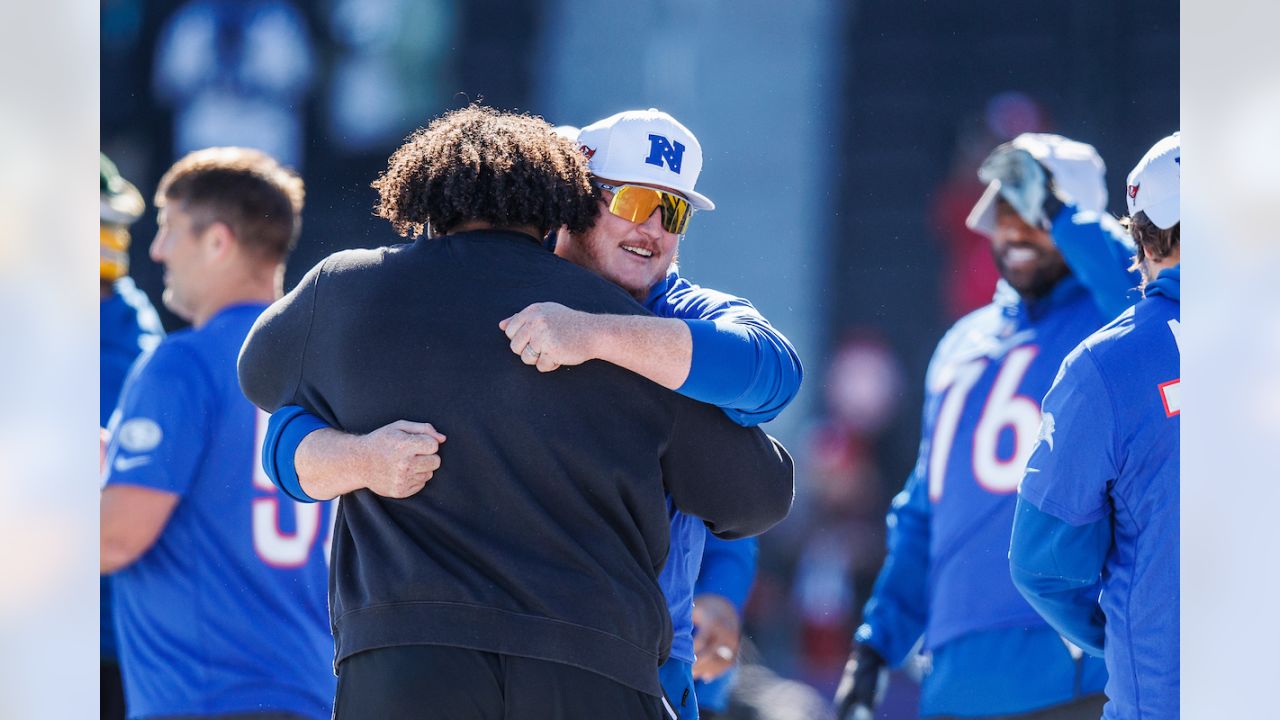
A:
<point x="478" y="163"/>
<point x="257" y="197"/>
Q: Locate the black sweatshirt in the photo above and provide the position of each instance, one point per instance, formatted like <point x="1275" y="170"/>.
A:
<point x="543" y="531"/>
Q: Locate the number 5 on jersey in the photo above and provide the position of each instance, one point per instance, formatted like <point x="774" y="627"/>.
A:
<point x="276" y="547"/>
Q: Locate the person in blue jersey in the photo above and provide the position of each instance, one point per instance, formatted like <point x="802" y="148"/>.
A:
<point x="127" y="327"/>
<point x="219" y="578"/>
<point x="707" y="345"/>
<point x="945" y="585"/>
<point x="1095" y="539"/>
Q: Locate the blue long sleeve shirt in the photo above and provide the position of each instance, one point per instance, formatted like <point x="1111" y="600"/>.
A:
<point x="740" y="363"/>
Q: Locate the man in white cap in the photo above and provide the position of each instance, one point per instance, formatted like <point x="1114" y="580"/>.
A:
<point x="1095" y="538"/>
<point x="946" y="579"/>
<point x="706" y="345"/>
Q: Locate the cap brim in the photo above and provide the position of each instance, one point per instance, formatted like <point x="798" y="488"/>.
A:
<point x="982" y="219"/>
<point x="699" y="201"/>
<point x="1164" y="213"/>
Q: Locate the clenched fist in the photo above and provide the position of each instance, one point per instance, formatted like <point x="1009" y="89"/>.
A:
<point x="398" y="459"/>
<point x="549" y="335"/>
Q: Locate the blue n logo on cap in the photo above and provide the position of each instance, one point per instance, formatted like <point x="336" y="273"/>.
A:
<point x="663" y="150"/>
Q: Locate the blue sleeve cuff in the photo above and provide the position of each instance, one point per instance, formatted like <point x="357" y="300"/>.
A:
<point x="285" y="431"/>
<point x="747" y="370"/>
<point x="728" y="569"/>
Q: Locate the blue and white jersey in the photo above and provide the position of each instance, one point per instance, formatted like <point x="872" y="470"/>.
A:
<point x="227" y="611"/>
<point x="946" y="576"/>
<point x="981" y="418"/>
<point x="127" y="326"/>
<point x="1109" y="452"/>
<point x="947" y="573"/>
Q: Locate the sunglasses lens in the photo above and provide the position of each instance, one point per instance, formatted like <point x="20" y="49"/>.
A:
<point x="636" y="204"/>
<point x="676" y="212"/>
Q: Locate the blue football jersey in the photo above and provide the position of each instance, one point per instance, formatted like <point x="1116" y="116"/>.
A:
<point x="227" y="611"/>
<point x="982" y="415"/>
<point x="1109" y="449"/>
<point x="947" y="574"/>
<point x="127" y="326"/>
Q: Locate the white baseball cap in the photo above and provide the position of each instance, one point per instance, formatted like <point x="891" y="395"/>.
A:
<point x="1077" y="170"/>
<point x="1153" y="183"/>
<point x="646" y="147"/>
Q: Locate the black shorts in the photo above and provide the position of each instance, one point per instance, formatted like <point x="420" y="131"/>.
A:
<point x="422" y="682"/>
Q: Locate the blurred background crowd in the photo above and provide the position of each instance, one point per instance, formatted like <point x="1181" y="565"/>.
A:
<point x="841" y="143"/>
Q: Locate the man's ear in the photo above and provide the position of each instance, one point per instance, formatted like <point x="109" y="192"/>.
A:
<point x="219" y="238"/>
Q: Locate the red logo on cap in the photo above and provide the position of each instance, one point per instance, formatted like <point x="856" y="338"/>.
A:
<point x="587" y="152"/>
<point x="1133" y="191"/>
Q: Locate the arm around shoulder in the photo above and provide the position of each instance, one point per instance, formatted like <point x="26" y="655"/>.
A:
<point x="739" y="481"/>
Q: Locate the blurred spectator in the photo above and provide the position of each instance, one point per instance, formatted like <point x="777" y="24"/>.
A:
<point x="825" y="555"/>
<point x="236" y="72"/>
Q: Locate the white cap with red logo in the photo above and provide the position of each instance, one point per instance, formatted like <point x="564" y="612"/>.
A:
<point x="1154" y="183"/>
<point x="646" y="147"/>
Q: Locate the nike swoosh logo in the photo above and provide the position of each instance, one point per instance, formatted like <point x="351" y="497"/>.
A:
<point x="126" y="464"/>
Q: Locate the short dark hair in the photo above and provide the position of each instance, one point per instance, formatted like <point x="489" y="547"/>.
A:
<point x="477" y="163"/>
<point x="257" y="197"/>
<point x="1150" y="238"/>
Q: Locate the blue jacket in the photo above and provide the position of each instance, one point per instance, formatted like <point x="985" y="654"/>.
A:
<point x="1095" y="541"/>
<point x="946" y="576"/>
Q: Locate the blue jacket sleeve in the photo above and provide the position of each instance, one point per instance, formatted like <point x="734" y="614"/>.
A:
<point x="1099" y="253"/>
<point x="728" y="569"/>
<point x="740" y="363"/>
<point x="285" y="430"/>
<point x="895" y="616"/>
<point x="1057" y="567"/>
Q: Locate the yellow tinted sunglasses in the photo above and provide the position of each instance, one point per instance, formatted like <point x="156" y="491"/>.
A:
<point x="635" y="203"/>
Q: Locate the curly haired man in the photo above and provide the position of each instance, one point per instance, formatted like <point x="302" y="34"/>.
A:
<point x="523" y="582"/>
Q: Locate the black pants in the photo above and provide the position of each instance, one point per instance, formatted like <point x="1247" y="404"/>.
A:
<point x="1086" y="708"/>
<point x="425" y="682"/>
